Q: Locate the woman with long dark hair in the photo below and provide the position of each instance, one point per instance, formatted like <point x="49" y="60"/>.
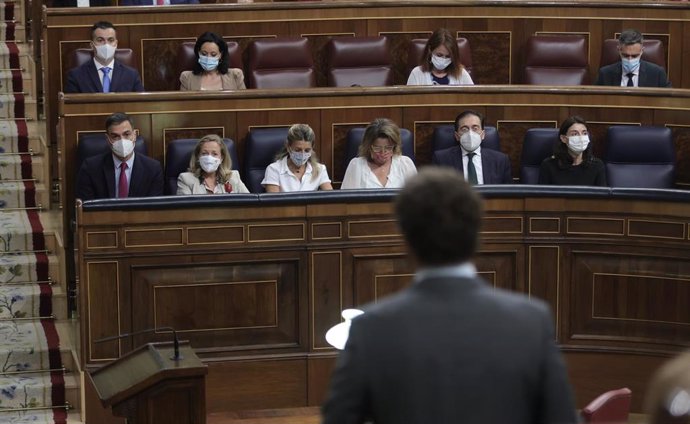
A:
<point x="440" y="63"/>
<point x="212" y="70"/>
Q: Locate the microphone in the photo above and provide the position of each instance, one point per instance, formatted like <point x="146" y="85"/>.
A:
<point x="176" y="343"/>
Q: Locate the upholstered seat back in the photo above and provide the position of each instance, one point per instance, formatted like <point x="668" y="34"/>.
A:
<point x="177" y="155"/>
<point x="537" y="145"/>
<point x="642" y="157"/>
<point x="612" y="407"/>
<point x="186" y="57"/>
<point x="416" y="52"/>
<point x="444" y="138"/>
<point x="355" y="136"/>
<point x="260" y="150"/>
<point x="653" y="52"/>
<point x="359" y="61"/>
<point x="280" y="63"/>
<point x="556" y="60"/>
<point x="81" y="56"/>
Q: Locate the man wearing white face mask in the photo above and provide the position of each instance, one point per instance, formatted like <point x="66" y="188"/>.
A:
<point x="632" y="71"/>
<point x="121" y="172"/>
<point x="478" y="166"/>
<point x="103" y="74"/>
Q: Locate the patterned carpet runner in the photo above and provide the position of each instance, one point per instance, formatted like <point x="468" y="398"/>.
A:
<point x="32" y="386"/>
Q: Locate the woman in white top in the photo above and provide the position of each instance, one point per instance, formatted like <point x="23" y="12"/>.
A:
<point x="210" y="170"/>
<point x="380" y="163"/>
<point x="296" y="167"/>
<point x="440" y="63"/>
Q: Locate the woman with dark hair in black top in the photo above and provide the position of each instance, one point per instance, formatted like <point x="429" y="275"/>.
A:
<point x="572" y="162"/>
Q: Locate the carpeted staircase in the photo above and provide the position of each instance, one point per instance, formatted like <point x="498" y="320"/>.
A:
<point x="32" y="376"/>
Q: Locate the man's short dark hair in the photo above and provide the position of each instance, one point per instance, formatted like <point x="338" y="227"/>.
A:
<point x="440" y="216"/>
<point x="630" y="37"/>
<point x="468" y="113"/>
<point x="116" y="119"/>
<point x="101" y="25"/>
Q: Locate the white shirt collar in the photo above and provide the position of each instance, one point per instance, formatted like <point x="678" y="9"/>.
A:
<point x="110" y="64"/>
<point x="284" y="169"/>
<point x="129" y="161"/>
<point x="478" y="151"/>
<point x="463" y="270"/>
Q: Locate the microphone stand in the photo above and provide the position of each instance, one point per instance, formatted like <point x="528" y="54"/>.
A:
<point x="176" y="356"/>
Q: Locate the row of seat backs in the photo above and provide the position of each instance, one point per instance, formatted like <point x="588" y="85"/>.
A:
<point x="366" y="61"/>
<point x="563" y="59"/>
<point x="642" y="157"/>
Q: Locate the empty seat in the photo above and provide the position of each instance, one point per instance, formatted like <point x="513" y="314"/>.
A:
<point x="92" y="144"/>
<point x="416" y="52"/>
<point x="359" y="61"/>
<point x="260" y="150"/>
<point x="355" y="136"/>
<point x="556" y="60"/>
<point x="177" y="157"/>
<point x="186" y="57"/>
<point x="537" y="145"/>
<point x="444" y="138"/>
<point x="641" y="157"/>
<point x="612" y="407"/>
<point x="653" y="52"/>
<point x="280" y="63"/>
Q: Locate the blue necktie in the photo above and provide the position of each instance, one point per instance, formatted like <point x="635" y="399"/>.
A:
<point x="106" y="79"/>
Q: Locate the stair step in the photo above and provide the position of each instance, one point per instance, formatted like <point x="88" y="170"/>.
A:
<point x="30" y="113"/>
<point x="11" y="167"/>
<point x="13" y="197"/>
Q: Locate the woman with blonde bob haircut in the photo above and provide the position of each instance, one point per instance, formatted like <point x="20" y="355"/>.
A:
<point x="296" y="167"/>
<point x="380" y="163"/>
<point x="210" y="170"/>
<point x="440" y="63"/>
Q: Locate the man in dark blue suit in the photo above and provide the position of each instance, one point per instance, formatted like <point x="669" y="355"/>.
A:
<point x="632" y="71"/>
<point x="478" y="166"/>
<point x="450" y="348"/>
<point x="155" y="2"/>
<point x="120" y="172"/>
<point x="103" y="74"/>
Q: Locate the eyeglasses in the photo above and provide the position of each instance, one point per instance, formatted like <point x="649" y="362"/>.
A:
<point x="379" y="149"/>
<point x="475" y="128"/>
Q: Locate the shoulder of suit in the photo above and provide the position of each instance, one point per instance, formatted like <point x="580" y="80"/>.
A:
<point x="447" y="151"/>
<point x="651" y="65"/>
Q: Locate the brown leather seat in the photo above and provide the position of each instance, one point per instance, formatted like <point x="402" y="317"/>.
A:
<point x="280" y="63"/>
<point x="653" y="52"/>
<point x="556" y="60"/>
<point x="611" y="407"/>
<point x="359" y="61"/>
<point x="416" y="51"/>
<point x="186" y="57"/>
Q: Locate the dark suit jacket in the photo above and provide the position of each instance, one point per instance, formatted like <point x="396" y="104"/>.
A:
<point x="495" y="165"/>
<point x="96" y="178"/>
<point x="85" y="79"/>
<point x="651" y="75"/>
<point x="73" y="3"/>
<point x="150" y="2"/>
<point x="451" y="350"/>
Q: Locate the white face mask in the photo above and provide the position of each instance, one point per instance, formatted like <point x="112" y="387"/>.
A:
<point x="299" y="158"/>
<point x="470" y="141"/>
<point x="209" y="163"/>
<point x="440" y="63"/>
<point x="578" y="143"/>
<point x="123" y="147"/>
<point x="105" y="52"/>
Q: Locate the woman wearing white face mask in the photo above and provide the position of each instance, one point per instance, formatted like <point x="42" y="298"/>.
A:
<point x="212" y="70"/>
<point x="380" y="163"/>
<point x="210" y="170"/>
<point x="296" y="167"/>
<point x="572" y="162"/>
<point x="440" y="62"/>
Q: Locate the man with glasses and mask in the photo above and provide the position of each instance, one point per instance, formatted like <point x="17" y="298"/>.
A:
<point x="632" y="71"/>
<point x="119" y="173"/>
<point x="103" y="74"/>
<point x="478" y="166"/>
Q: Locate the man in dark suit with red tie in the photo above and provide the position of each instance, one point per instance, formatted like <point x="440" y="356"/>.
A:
<point x="103" y="74"/>
<point x="120" y="172"/>
<point x="450" y="348"/>
<point x="479" y="166"/>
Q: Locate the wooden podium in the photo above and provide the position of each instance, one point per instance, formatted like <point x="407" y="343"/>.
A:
<point x="146" y="386"/>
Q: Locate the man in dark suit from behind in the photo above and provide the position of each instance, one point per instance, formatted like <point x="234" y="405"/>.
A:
<point x="450" y="348"/>
<point x="479" y="166"/>
<point x="632" y="71"/>
<point x="101" y="176"/>
<point x="103" y="74"/>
